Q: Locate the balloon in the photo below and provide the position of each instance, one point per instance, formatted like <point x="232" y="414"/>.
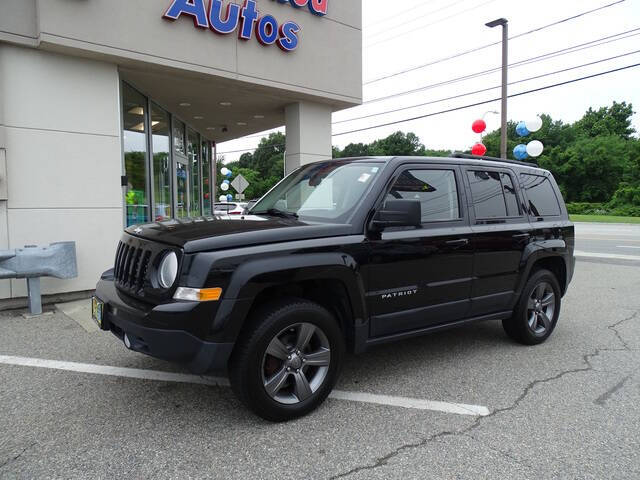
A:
<point x="226" y="181"/>
<point x="522" y="130"/>
<point x="520" y="152"/>
<point x="478" y="149"/>
<point x="534" y="125"/>
<point x="224" y="187"/>
<point x="224" y="171"/>
<point x="535" y="148"/>
<point x="479" y="126"/>
<point x="229" y="174"/>
<point x="229" y="197"/>
<point x="223" y="198"/>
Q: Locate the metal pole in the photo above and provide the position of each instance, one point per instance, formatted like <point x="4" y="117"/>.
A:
<point x="505" y="65"/>
<point x="33" y="291"/>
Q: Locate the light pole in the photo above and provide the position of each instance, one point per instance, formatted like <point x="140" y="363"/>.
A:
<point x="505" y="62"/>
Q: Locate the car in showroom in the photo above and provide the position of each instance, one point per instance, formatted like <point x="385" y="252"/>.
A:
<point x="229" y="208"/>
<point x="340" y="256"/>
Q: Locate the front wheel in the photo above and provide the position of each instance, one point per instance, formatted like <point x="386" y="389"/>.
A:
<point x="536" y="314"/>
<point x="288" y="360"/>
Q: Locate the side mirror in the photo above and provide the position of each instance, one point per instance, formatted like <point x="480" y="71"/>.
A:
<point x="398" y="213"/>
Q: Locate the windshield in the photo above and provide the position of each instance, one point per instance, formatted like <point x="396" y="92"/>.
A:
<point x="327" y="191"/>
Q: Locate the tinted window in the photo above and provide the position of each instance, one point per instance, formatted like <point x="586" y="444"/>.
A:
<point x="510" y="195"/>
<point x="435" y="189"/>
<point x="488" y="199"/>
<point x="542" y="198"/>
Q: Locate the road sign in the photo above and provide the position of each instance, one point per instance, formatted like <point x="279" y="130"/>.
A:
<point x="240" y="184"/>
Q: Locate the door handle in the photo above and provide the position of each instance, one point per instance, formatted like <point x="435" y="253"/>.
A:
<point x="457" y="243"/>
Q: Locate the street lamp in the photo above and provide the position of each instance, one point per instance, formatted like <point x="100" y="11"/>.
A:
<point x="505" y="62"/>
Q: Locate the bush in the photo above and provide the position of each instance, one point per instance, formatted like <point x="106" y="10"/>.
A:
<point x="626" y="195"/>
<point x="603" y="209"/>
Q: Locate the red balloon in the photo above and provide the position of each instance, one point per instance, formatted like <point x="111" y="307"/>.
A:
<point x="479" y="126"/>
<point x="478" y="149"/>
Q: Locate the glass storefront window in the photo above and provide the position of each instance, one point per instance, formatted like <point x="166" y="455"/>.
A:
<point x="206" y="177"/>
<point x="134" y="135"/>
<point x="161" y="163"/>
<point x="182" y="192"/>
<point x="193" y="149"/>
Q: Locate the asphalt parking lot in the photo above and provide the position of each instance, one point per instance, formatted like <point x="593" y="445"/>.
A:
<point x="569" y="408"/>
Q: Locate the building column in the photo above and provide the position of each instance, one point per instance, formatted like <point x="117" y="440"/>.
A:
<point x="308" y="134"/>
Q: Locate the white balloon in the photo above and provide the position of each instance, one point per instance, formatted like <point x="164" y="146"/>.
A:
<point x="224" y="171"/>
<point x="534" y="125"/>
<point x="224" y="187"/>
<point x="223" y="198"/>
<point x="535" y="148"/>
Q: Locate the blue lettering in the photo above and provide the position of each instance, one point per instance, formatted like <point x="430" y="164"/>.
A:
<point x="193" y="8"/>
<point x="231" y="20"/>
<point x="248" y="19"/>
<point x="267" y="30"/>
<point x="288" y="40"/>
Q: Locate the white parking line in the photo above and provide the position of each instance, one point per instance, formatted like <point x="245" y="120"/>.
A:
<point x="362" y="397"/>
<point x="626" y="246"/>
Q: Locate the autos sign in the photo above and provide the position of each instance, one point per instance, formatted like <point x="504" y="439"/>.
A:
<point x="246" y="19"/>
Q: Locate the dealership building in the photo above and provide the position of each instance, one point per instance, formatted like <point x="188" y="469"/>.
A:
<point x="110" y="110"/>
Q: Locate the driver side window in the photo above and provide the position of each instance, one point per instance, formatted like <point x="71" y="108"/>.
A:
<point x="436" y="190"/>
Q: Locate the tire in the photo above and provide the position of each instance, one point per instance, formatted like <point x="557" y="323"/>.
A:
<point x="536" y="314"/>
<point x="271" y="369"/>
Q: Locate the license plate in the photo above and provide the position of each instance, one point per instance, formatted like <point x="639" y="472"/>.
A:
<point x="97" y="310"/>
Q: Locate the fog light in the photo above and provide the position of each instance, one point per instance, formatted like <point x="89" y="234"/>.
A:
<point x="198" y="294"/>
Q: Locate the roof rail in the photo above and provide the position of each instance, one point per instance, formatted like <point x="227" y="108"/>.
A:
<point x="492" y="159"/>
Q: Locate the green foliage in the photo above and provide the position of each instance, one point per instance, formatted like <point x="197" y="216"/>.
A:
<point x="595" y="160"/>
<point x="398" y="143"/>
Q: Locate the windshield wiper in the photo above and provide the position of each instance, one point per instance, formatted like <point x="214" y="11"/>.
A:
<point x="278" y="213"/>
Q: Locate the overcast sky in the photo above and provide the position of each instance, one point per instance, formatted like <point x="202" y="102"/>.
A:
<point x="416" y="32"/>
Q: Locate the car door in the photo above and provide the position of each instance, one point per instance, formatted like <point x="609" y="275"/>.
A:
<point x="501" y="232"/>
<point x="420" y="277"/>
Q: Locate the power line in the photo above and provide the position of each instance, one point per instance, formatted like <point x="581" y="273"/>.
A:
<point x="384" y="20"/>
<point x="473" y="50"/>
<point x="432" y="23"/>
<point x="528" y="61"/>
<point x="418" y="17"/>
<point x="487" y="101"/>
<point x="463" y="107"/>
<point x="486" y="89"/>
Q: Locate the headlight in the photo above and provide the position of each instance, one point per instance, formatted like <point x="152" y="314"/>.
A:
<point x="168" y="270"/>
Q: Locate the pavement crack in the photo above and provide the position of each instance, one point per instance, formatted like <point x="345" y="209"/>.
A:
<point x="13" y="459"/>
<point x="506" y="455"/>
<point x="602" y="399"/>
<point x="614" y="329"/>
<point x="382" y="461"/>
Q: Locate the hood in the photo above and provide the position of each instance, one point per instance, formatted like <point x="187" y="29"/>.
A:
<point x="214" y="233"/>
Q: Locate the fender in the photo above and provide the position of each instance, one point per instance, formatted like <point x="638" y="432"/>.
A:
<point x="537" y="250"/>
<point x="254" y="276"/>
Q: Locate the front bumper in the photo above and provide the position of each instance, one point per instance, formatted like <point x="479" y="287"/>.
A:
<point x="149" y="331"/>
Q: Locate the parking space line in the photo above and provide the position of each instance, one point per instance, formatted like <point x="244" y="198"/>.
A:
<point x="361" y="397"/>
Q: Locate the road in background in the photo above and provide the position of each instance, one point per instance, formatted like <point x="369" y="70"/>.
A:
<point x="608" y="238"/>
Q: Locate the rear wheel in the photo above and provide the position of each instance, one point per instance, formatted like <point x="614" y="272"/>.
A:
<point x="536" y="314"/>
<point x="288" y="360"/>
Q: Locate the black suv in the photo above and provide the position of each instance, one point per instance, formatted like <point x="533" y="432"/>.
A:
<point x="342" y="255"/>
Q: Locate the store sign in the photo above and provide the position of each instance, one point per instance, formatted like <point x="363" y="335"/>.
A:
<point x="246" y="19"/>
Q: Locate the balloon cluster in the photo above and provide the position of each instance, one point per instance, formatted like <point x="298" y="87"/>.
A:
<point x="533" y="148"/>
<point x="226" y="184"/>
<point x="479" y="126"/>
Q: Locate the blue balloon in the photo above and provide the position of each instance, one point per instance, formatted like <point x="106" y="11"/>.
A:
<point x="229" y="197"/>
<point x="521" y="129"/>
<point x="229" y="174"/>
<point x="226" y="181"/>
<point x="520" y="152"/>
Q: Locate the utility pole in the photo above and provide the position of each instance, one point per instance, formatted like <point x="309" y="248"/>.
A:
<point x="505" y="66"/>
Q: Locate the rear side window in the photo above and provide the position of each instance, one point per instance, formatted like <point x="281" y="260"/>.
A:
<point x="510" y="196"/>
<point x="494" y="195"/>
<point x="542" y="198"/>
<point x="436" y="190"/>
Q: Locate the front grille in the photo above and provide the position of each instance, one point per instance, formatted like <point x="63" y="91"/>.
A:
<point x="131" y="267"/>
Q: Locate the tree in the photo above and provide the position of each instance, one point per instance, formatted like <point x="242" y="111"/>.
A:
<point x="613" y="120"/>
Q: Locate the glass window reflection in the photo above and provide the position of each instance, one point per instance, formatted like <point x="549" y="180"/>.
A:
<point x="161" y="163"/>
<point x="193" y="148"/>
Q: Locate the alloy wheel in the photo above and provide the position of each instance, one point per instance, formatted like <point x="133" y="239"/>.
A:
<point x="295" y="363"/>
<point x="541" y="308"/>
